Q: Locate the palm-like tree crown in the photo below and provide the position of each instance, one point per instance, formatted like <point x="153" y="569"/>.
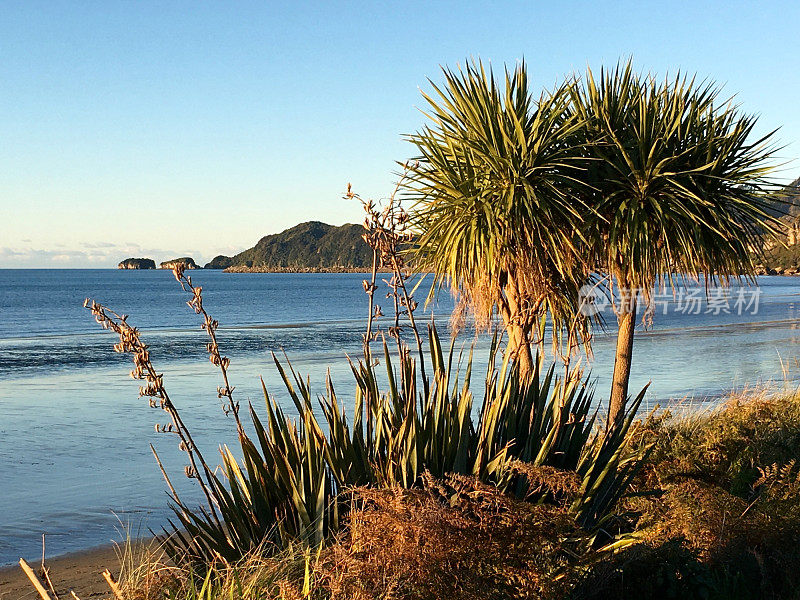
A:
<point x="677" y="185"/>
<point x="495" y="206"/>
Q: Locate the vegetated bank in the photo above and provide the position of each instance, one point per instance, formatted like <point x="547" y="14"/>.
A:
<point x="713" y="513"/>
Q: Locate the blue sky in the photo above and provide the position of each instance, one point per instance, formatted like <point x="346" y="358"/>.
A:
<point x="166" y="129"/>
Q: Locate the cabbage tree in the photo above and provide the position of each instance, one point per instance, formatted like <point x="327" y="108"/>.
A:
<point x="679" y="188"/>
<point x="495" y="207"/>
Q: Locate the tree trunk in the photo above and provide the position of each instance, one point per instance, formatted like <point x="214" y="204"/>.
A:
<point x="518" y="347"/>
<point x="622" y="362"/>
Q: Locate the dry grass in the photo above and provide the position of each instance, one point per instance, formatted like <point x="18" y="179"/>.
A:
<point x="728" y="445"/>
<point x="456" y="539"/>
<point x="256" y="577"/>
<point x="145" y="570"/>
<point x="725" y="518"/>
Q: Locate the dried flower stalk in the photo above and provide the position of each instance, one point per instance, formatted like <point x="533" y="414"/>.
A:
<point x="210" y="326"/>
<point x="387" y="231"/>
<point x="130" y="342"/>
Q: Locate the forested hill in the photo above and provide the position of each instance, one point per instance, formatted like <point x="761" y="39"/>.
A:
<point x="308" y="246"/>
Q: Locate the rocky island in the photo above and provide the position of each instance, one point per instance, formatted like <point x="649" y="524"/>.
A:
<point x="186" y="261"/>
<point x="137" y="263"/>
<point x="311" y="247"/>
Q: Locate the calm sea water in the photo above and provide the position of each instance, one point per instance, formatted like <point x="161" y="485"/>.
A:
<point x="75" y="461"/>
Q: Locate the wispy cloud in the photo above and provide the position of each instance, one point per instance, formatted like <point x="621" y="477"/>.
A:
<point x="92" y="254"/>
<point x="101" y="245"/>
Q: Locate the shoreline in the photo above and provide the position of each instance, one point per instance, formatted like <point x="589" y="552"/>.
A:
<point x="298" y="270"/>
<point x="761" y="272"/>
<point x="80" y="571"/>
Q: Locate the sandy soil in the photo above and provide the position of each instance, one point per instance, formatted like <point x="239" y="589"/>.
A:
<point x="80" y="572"/>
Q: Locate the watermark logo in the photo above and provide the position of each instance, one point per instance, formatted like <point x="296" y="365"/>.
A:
<point x="595" y="300"/>
<point x="592" y="300"/>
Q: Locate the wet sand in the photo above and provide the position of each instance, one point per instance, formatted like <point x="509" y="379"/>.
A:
<point x="79" y="572"/>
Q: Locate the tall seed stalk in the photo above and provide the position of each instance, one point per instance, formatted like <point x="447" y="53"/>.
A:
<point x="130" y="342"/>
<point x="388" y="234"/>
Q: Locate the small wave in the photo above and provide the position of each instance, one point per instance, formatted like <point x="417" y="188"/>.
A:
<point x="298" y="325"/>
<point x="721" y="326"/>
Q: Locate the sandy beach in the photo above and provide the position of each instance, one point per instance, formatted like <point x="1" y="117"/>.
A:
<point x="79" y="572"/>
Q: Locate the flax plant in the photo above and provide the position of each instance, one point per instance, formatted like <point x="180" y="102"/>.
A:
<point x="388" y="234"/>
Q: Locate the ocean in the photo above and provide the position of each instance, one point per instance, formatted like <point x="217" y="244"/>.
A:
<point x="75" y="461"/>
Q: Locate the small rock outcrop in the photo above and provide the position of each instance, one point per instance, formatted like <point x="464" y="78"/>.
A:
<point x="137" y="263"/>
<point x="186" y="261"/>
<point x="219" y="262"/>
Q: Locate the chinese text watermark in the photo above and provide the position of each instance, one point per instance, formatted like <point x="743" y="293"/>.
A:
<point x="594" y="300"/>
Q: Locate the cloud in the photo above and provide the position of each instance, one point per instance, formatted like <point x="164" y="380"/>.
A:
<point x="93" y="255"/>
<point x="31" y="257"/>
<point x="97" y="254"/>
